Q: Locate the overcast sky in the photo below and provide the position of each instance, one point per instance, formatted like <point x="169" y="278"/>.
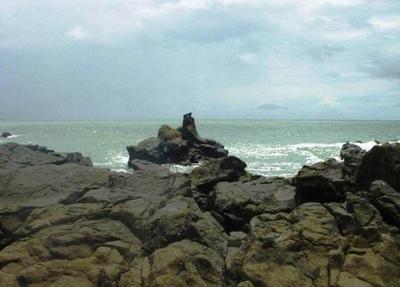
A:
<point x="112" y="59"/>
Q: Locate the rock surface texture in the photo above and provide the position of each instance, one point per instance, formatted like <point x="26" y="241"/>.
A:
<point x="66" y="223"/>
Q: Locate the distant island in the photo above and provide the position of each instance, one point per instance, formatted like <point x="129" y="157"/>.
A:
<point x="64" y="222"/>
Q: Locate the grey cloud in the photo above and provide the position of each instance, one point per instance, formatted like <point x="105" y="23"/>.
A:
<point x="385" y="66"/>
<point x="271" y="107"/>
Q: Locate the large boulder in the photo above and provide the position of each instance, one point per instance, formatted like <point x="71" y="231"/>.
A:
<point x="381" y="162"/>
<point x="321" y="182"/>
<point x="351" y="154"/>
<point x="179" y="146"/>
<point x="205" y="177"/>
<point x="238" y="202"/>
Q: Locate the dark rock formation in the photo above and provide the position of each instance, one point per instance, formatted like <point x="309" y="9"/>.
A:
<point x="180" y="146"/>
<point x="5" y="135"/>
<point x="205" y="177"/>
<point x="351" y="155"/>
<point x="238" y="202"/>
<point x="321" y="182"/>
<point x="381" y="162"/>
<point x="66" y="223"/>
<point x="386" y="200"/>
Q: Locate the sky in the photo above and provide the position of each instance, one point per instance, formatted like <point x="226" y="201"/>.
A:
<point x="143" y="59"/>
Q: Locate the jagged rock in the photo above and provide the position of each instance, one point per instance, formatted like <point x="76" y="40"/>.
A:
<point x="64" y="223"/>
<point x="159" y="222"/>
<point x="179" y="146"/>
<point x="381" y="162"/>
<point x="387" y="201"/>
<point x="351" y="154"/>
<point x="291" y="249"/>
<point x="321" y="182"/>
<point x="216" y="170"/>
<point x="148" y="149"/>
<point x="238" y="202"/>
<point x="14" y="155"/>
<point x="5" y="135"/>
<point x="207" y="175"/>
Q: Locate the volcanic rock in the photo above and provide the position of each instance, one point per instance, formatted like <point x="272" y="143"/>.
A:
<point x="321" y="182"/>
<point x="66" y="223"/>
<point x="381" y="162"/>
<point x="179" y="146"/>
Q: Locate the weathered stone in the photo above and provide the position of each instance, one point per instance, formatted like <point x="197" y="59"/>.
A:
<point x="186" y="263"/>
<point x="387" y="201"/>
<point x="381" y="162"/>
<point x="321" y="182"/>
<point x="351" y="154"/>
<point x="238" y="202"/>
<point x="64" y="223"/>
<point x="179" y="146"/>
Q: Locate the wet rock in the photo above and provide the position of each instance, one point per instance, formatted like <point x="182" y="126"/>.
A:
<point x="381" y="162"/>
<point x="5" y="135"/>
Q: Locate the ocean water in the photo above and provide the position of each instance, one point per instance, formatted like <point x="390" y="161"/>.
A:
<point x="269" y="147"/>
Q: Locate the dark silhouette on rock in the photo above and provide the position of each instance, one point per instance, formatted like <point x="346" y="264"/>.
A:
<point x="178" y="146"/>
<point x="381" y="162"/>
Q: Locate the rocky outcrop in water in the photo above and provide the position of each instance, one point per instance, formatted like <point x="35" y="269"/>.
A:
<point x="66" y="223"/>
<point x="179" y="146"/>
<point x="5" y="135"/>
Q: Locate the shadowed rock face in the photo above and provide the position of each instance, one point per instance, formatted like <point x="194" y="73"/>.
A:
<point x="65" y="223"/>
<point x="381" y="162"/>
<point x="180" y="146"/>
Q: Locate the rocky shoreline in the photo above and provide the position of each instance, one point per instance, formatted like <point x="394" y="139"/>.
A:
<point x="64" y="222"/>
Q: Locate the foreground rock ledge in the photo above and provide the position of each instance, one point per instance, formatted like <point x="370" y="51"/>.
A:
<point x="65" y="223"/>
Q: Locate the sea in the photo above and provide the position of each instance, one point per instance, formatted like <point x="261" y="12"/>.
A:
<point x="269" y="147"/>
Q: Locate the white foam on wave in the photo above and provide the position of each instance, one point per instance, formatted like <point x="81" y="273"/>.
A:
<point x="265" y="151"/>
<point x="366" y="145"/>
<point x="369" y="145"/>
<point x="115" y="161"/>
<point x="13" y="136"/>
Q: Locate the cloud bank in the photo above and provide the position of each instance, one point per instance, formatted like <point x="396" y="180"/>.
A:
<point x="217" y="58"/>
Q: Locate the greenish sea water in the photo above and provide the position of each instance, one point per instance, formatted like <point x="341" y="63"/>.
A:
<point x="270" y="147"/>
